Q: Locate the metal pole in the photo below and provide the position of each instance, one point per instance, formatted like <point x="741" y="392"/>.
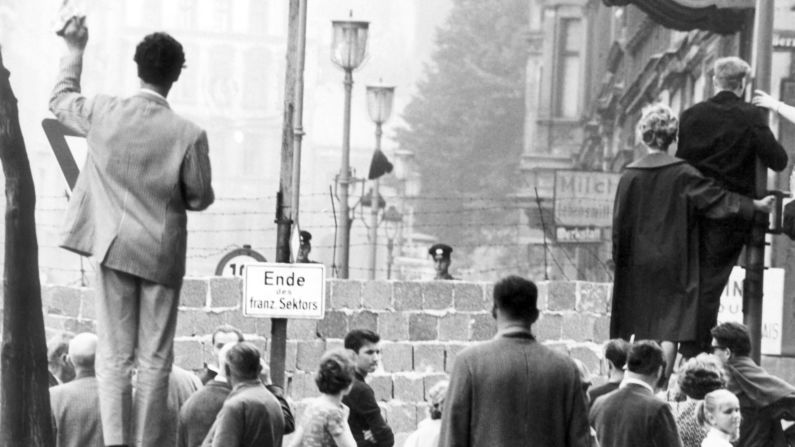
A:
<point x="755" y="251"/>
<point x="345" y="178"/>
<point x="390" y="245"/>
<point x="298" y="121"/>
<point x="374" y="208"/>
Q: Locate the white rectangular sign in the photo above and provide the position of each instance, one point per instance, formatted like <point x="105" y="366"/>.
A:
<point x="585" y="199"/>
<point x="275" y="290"/>
<point x="731" y="306"/>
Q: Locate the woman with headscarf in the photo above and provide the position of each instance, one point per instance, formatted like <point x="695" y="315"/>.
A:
<point x="427" y="434"/>
<point x="656" y="240"/>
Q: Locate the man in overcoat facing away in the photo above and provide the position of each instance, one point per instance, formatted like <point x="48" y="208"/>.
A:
<point x="512" y="390"/>
<point x="144" y="168"/>
<point x="722" y="137"/>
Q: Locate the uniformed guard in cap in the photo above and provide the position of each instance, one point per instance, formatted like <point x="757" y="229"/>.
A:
<point x="441" y="260"/>
<point x="305" y="239"/>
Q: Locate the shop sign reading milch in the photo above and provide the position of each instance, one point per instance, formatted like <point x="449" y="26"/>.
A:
<point x="276" y="290"/>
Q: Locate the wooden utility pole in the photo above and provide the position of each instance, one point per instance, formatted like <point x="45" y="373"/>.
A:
<point x="755" y="251"/>
<point x="24" y="396"/>
<point x="287" y="197"/>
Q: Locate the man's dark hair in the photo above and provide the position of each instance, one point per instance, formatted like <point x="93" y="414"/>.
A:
<point x="616" y="352"/>
<point x="227" y="328"/>
<point x="160" y="59"/>
<point x="357" y="338"/>
<point x="335" y="372"/>
<point x="645" y="358"/>
<point x="243" y="358"/>
<point x="733" y="336"/>
<point x="517" y="297"/>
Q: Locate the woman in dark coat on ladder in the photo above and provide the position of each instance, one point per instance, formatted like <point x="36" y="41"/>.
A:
<point x="655" y="238"/>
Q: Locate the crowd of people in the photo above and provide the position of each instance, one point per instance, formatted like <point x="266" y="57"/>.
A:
<point x="679" y="225"/>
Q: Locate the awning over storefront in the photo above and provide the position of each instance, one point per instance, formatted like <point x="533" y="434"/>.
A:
<point x="719" y="16"/>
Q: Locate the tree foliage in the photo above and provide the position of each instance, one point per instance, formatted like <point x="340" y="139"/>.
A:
<point x="465" y="123"/>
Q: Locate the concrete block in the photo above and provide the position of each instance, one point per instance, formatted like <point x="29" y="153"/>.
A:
<point x="429" y="357"/>
<point x="397" y="356"/>
<point x="408" y="387"/>
<point x="189" y="353"/>
<point x="589" y="356"/>
<point x="483" y="326"/>
<point x="381" y="385"/>
<point x="578" y="327"/>
<point x="302" y="385"/>
<point x="543" y="294"/>
<point x="429" y="380"/>
<point x="333" y="325"/>
<point x="400" y="438"/>
<point x="291" y="355"/>
<point x="226" y="291"/>
<point x="346" y="294"/>
<point x="402" y="416"/>
<point x="407" y="295"/>
<point x="334" y="343"/>
<point x="561" y="295"/>
<point x="193" y="322"/>
<point x="393" y="326"/>
<point x="61" y="300"/>
<point x="76" y="325"/>
<point x="423" y="327"/>
<point x="454" y="326"/>
<point x="549" y="327"/>
<point x="377" y="295"/>
<point x="54" y="323"/>
<point x="194" y="293"/>
<point x="309" y="353"/>
<point x="250" y="325"/>
<point x="364" y="320"/>
<point x="593" y="297"/>
<point x="559" y="346"/>
<point x="302" y="329"/>
<point x="601" y="329"/>
<point x="488" y="295"/>
<point x="451" y="350"/>
<point x="437" y="295"/>
<point x="469" y="297"/>
<point x="88" y="304"/>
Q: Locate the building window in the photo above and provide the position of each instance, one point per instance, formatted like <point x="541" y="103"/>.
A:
<point x="567" y="92"/>
<point x="258" y="17"/>
<point x="222" y="15"/>
<point x="256" y="78"/>
<point x="187" y="12"/>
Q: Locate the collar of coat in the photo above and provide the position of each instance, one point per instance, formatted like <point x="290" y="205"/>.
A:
<point x="655" y="160"/>
<point x="725" y="97"/>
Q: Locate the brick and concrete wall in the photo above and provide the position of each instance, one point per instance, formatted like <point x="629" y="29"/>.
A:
<point x="423" y="326"/>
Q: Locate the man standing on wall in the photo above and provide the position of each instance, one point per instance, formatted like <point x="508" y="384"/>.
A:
<point x="722" y="137"/>
<point x="145" y="167"/>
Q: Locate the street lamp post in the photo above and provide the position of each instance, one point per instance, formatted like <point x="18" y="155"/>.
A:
<point x="393" y="220"/>
<point x="379" y="106"/>
<point x="348" y="48"/>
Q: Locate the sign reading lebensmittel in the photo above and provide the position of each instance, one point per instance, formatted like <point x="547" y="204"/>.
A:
<point x="275" y="290"/>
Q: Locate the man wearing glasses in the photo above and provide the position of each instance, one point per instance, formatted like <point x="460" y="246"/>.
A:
<point x="766" y="402"/>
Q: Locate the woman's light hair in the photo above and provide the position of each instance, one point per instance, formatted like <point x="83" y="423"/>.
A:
<point x="658" y="126"/>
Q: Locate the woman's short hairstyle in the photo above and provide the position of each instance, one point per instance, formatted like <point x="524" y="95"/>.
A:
<point x="436" y="396"/>
<point x="657" y="126"/>
<point x="160" y="59"/>
<point x="701" y="375"/>
<point x="731" y="72"/>
<point x="335" y="372"/>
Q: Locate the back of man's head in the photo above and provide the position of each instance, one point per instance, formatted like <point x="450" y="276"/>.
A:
<point x="57" y="348"/>
<point x="731" y="72"/>
<point x="645" y="358"/>
<point x="160" y="59"/>
<point x="734" y="336"/>
<point x="243" y="360"/>
<point x="83" y="350"/>
<point x="616" y="351"/>
<point x="355" y="339"/>
<point x="516" y="298"/>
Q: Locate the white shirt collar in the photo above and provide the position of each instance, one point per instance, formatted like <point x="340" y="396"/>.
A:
<point x="221" y="379"/>
<point x="153" y="93"/>
<point x="633" y="381"/>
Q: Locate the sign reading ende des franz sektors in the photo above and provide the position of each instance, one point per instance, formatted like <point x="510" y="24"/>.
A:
<point x="275" y="290"/>
<point x="583" y="205"/>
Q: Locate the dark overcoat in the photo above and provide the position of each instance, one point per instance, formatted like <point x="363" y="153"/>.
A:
<point x="513" y="391"/>
<point x="655" y="246"/>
